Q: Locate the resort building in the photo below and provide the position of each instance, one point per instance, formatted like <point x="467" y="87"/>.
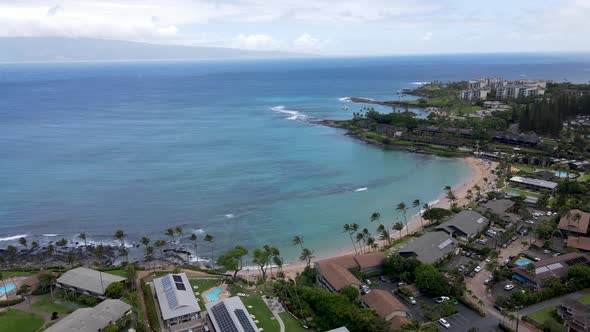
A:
<point x="581" y="243"/>
<point x="576" y="315"/>
<point x="501" y="208"/>
<point x="430" y="247"/>
<point x="177" y="304"/>
<point x="335" y="273"/>
<point x="87" y="281"/>
<point x="527" y="140"/>
<point x="474" y="94"/>
<point x="535" y="184"/>
<point x="229" y="315"/>
<point x="464" y="226"/>
<point x="546" y="268"/>
<point x="575" y="222"/>
<point x="387" y="307"/>
<point x="92" y="319"/>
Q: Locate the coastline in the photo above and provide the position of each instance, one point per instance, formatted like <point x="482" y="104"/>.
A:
<point x="479" y="169"/>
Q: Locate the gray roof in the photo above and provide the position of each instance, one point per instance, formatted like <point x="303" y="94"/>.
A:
<point x="534" y="182"/>
<point x="430" y="247"/>
<point x="340" y="329"/>
<point x="175" y="296"/>
<point x="92" y="319"/>
<point x="230" y="315"/>
<point x="465" y="223"/>
<point x="88" y="279"/>
<point x="497" y="206"/>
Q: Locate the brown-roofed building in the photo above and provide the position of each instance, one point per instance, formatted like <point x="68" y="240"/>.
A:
<point x="387" y="306"/>
<point x="575" y="221"/>
<point x="579" y="242"/>
<point x="335" y="273"/>
<point x="557" y="267"/>
<point x="575" y="314"/>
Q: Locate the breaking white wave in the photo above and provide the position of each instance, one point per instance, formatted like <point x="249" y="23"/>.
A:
<point x="361" y="189"/>
<point x="12" y="238"/>
<point x="199" y="231"/>
<point x="345" y="100"/>
<point x="420" y="83"/>
<point x="229" y="215"/>
<point x="292" y="115"/>
<point x="50" y="235"/>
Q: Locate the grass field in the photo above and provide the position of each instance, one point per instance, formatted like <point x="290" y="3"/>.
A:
<point x="584" y="299"/>
<point x="584" y="178"/>
<point x="525" y="168"/>
<point x="544" y="314"/>
<point x="9" y="274"/>
<point x="522" y="192"/>
<point x="16" y="320"/>
<point x="291" y="324"/>
<point x="262" y="313"/>
<point x="44" y="304"/>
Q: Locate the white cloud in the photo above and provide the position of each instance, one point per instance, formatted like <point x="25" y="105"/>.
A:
<point x="306" y="42"/>
<point x="256" y="42"/>
<point x="427" y="36"/>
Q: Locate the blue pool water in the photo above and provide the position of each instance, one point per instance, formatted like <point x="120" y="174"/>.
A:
<point x="562" y="174"/>
<point x="213" y="295"/>
<point x="7" y="288"/>
<point x="523" y="261"/>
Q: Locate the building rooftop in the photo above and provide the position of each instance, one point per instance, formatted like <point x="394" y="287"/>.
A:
<point x="535" y="182"/>
<point x="579" y="242"/>
<point x="92" y="319"/>
<point x="230" y="315"/>
<point x="569" y="222"/>
<point x="552" y="267"/>
<point x="175" y="296"/>
<point x="544" y="175"/>
<point x="497" y="206"/>
<point x="430" y="247"/>
<point x="88" y="279"/>
<point x="465" y="223"/>
<point x="340" y="329"/>
<point x="336" y="270"/>
<point x="383" y="302"/>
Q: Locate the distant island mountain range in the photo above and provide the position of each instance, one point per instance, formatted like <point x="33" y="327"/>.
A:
<point x="58" y="49"/>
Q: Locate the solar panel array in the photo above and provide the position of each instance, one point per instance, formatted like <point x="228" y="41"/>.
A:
<point x="445" y="244"/>
<point x="243" y="318"/>
<point x="577" y="260"/>
<point x="226" y="324"/>
<point x="547" y="268"/>
<point x="178" y="281"/>
<point x="177" y="278"/>
<point x="169" y="291"/>
<point x="480" y="220"/>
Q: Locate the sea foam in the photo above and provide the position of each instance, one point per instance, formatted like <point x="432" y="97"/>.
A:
<point x="361" y="189"/>
<point x="12" y="238"/>
<point x="292" y="115"/>
<point x="345" y="100"/>
<point x="229" y="215"/>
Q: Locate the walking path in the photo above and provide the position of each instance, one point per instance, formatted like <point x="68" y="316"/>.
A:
<point x="549" y="303"/>
<point x="276" y="308"/>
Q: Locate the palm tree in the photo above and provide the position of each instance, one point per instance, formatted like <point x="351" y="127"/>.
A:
<point x="50" y="249"/>
<point x="360" y="237"/>
<point x="370" y="243"/>
<point x="417" y="204"/>
<point x="347" y="228"/>
<point x="179" y="231"/>
<point x="145" y="241"/>
<point x="149" y="251"/>
<point x="306" y="256"/>
<point x="450" y="195"/>
<point x="398" y="226"/>
<point x="209" y="238"/>
<point x="376" y="216"/>
<point x="298" y="240"/>
<point x="120" y="235"/>
<point x="160" y="244"/>
<point x="416" y="326"/>
<point x="34" y="245"/>
<point x="124" y="252"/>
<point x="402" y="207"/>
<point x="83" y="237"/>
<point x="194" y="238"/>
<point x="170" y="232"/>
<point x="23" y="242"/>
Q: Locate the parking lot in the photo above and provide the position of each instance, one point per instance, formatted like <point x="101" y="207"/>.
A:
<point x="462" y="321"/>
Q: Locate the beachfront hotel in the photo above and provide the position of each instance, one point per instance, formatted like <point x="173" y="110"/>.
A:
<point x="177" y="304"/>
<point x="87" y="281"/>
<point x="482" y="88"/>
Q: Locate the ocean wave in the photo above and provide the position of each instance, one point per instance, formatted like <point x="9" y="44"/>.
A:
<point x="12" y="238"/>
<point x="345" y="100"/>
<point x="50" y="235"/>
<point x="361" y="189"/>
<point x="420" y="83"/>
<point x="229" y="215"/>
<point x="292" y="115"/>
<point x="198" y="231"/>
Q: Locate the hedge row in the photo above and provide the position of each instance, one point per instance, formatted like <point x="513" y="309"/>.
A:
<point x="12" y="302"/>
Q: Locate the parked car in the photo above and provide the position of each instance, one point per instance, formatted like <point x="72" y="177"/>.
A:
<point x="530" y="222"/>
<point x="546" y="251"/>
<point x="401" y="283"/>
<point x="477" y="269"/>
<point x="441" y="299"/>
<point x="444" y="323"/>
<point x="509" y="287"/>
<point x="367" y="281"/>
<point x="412" y="300"/>
<point x="488" y="280"/>
<point x="514" y="238"/>
<point x="504" y="245"/>
<point x="488" y="260"/>
<point x="461" y="268"/>
<point x="537" y="259"/>
<point x="382" y="278"/>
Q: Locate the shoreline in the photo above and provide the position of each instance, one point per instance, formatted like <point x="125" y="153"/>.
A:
<point x="479" y="169"/>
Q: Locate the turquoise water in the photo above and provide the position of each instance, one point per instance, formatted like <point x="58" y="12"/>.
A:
<point x="7" y="288"/>
<point x="562" y="174"/>
<point x="523" y="262"/>
<point x="222" y="147"/>
<point x="213" y="295"/>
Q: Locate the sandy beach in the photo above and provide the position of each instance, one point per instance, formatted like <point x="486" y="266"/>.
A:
<point x="480" y="175"/>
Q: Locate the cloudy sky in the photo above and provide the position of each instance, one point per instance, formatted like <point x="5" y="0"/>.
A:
<point x="332" y="27"/>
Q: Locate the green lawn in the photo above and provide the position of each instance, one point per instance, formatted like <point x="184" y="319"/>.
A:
<point x="204" y="285"/>
<point x="291" y="324"/>
<point x="584" y="299"/>
<point x="542" y="315"/>
<point x="262" y="313"/>
<point x="525" y="168"/>
<point x="584" y="178"/>
<point x="44" y="304"/>
<point x="8" y="274"/>
<point x="118" y="272"/>
<point x="16" y="320"/>
<point x="522" y="192"/>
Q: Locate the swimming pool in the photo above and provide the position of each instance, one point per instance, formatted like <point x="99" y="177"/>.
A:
<point x="523" y="261"/>
<point x="213" y="295"/>
<point x="562" y="174"/>
<point x="7" y="288"/>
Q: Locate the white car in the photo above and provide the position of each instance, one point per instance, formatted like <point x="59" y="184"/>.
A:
<point x="412" y="300"/>
<point x="444" y="323"/>
<point x="441" y="299"/>
<point x="509" y="287"/>
<point x="477" y="269"/>
<point x="488" y="260"/>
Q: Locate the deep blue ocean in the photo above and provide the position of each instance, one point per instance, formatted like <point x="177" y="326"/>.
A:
<point x="221" y="147"/>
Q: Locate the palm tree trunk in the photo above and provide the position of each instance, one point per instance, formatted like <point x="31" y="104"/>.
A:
<point x="351" y="240"/>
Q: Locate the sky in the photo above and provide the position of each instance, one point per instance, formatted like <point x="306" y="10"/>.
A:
<point x="326" y="27"/>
